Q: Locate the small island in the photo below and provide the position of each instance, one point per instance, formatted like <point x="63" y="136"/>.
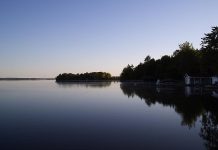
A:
<point x="85" y="77"/>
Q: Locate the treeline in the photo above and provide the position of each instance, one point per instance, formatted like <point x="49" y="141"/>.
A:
<point x="84" y="76"/>
<point x="187" y="59"/>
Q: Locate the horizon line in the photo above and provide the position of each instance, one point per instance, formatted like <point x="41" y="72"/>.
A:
<point x="25" y="78"/>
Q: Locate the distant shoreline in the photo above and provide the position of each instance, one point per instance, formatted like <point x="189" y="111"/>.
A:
<point x="17" y="79"/>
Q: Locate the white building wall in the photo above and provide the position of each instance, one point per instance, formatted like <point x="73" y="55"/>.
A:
<point x="187" y="80"/>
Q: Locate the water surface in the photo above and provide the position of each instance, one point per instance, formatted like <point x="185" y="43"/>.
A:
<point x="105" y="115"/>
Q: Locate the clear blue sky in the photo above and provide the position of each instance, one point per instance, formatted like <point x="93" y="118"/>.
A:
<point x="42" y="38"/>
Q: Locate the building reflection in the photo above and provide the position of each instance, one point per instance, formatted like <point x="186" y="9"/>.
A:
<point x="190" y="103"/>
<point x="189" y="91"/>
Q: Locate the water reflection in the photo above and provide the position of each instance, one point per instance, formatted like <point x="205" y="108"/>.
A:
<point x="189" y="91"/>
<point x="209" y="130"/>
<point x="42" y="114"/>
<point x="189" y="103"/>
<point x="84" y="84"/>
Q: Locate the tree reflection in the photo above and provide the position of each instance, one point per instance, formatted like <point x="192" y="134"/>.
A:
<point x="209" y="130"/>
<point x="189" y="106"/>
<point x="84" y="84"/>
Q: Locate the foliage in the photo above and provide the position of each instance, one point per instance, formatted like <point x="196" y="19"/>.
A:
<point x="210" y="53"/>
<point x="84" y="76"/>
<point x="210" y="41"/>
<point x="127" y="73"/>
<point x="186" y="59"/>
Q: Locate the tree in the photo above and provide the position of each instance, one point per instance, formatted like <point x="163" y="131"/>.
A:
<point x="127" y="73"/>
<point x="164" y="67"/>
<point x="83" y="76"/>
<point x="209" y="53"/>
<point x="149" y="69"/>
<point x="147" y="58"/>
<point x="187" y="60"/>
<point x="210" y="41"/>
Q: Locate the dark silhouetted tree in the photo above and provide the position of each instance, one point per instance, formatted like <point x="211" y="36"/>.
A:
<point x="210" y="41"/>
<point x="186" y="59"/>
<point x="83" y="76"/>
<point x="127" y="73"/>
<point x="209" y="53"/>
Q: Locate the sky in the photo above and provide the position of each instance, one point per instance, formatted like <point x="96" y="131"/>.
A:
<point x="42" y="38"/>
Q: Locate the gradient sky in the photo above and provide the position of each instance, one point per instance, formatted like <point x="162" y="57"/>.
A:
<point x="42" y="38"/>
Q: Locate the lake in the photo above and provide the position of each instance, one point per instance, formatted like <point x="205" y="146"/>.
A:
<point x="106" y="115"/>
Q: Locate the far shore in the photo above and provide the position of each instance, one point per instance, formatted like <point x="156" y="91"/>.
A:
<point x="12" y="79"/>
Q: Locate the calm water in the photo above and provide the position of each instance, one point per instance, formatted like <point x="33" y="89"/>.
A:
<point x="47" y="115"/>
